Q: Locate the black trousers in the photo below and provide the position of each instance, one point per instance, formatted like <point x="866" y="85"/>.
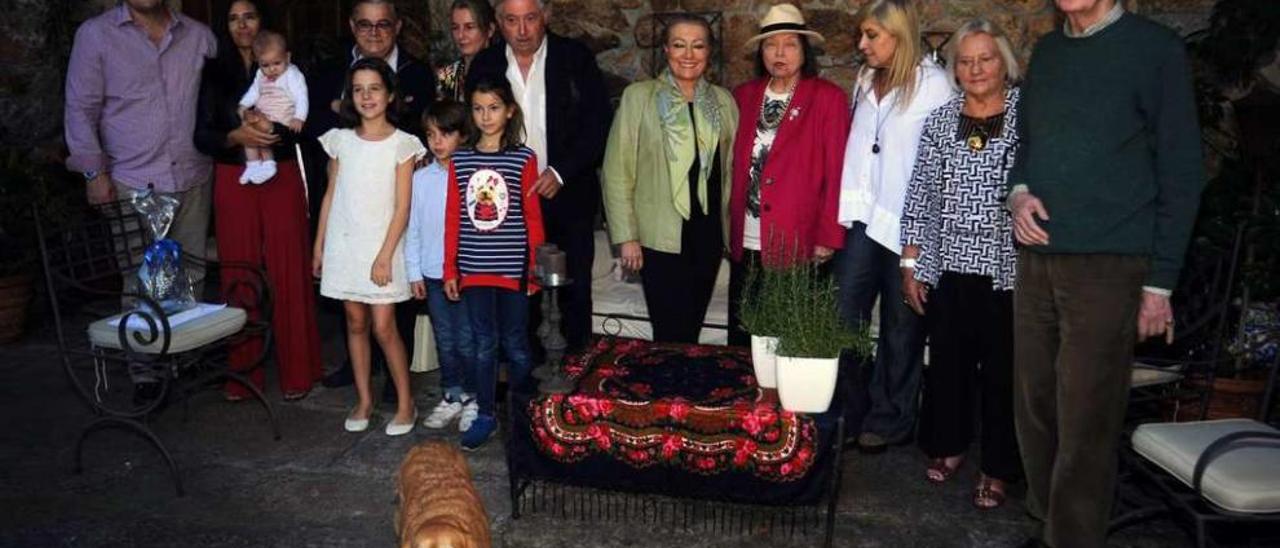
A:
<point x="575" y="236"/>
<point x="737" y="286"/>
<point x="678" y="286"/>
<point x="970" y="328"/>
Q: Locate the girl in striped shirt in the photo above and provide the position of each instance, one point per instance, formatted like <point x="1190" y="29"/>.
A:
<point x="493" y="222"/>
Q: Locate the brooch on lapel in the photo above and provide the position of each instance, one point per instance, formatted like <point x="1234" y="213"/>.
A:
<point x="795" y="112"/>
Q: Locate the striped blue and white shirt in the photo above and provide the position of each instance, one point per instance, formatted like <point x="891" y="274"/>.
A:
<point x="493" y="218"/>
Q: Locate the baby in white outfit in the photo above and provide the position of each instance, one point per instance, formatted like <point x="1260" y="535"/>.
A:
<point x="278" y="95"/>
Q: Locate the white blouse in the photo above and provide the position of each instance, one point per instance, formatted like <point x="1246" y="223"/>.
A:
<point x="873" y="185"/>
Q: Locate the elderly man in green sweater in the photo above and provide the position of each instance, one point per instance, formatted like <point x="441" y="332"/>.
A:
<point x="1103" y="193"/>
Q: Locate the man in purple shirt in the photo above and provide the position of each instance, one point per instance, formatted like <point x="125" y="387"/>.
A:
<point x="132" y="86"/>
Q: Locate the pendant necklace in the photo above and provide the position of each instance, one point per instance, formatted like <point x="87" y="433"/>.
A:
<point x="863" y="92"/>
<point x="875" y="147"/>
<point x="977" y="138"/>
<point x="980" y="129"/>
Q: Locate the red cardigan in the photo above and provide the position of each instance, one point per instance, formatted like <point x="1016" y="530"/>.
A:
<point x="800" y="184"/>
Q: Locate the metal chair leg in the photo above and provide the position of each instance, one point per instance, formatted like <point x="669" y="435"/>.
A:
<point x="257" y="393"/>
<point x="137" y="427"/>
<point x="833" y="495"/>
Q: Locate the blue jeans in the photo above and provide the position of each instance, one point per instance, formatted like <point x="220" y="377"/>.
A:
<point x="499" y="317"/>
<point x="866" y="270"/>
<point x="455" y="345"/>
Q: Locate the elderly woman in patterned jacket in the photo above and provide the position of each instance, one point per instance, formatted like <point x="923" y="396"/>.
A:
<point x="958" y="262"/>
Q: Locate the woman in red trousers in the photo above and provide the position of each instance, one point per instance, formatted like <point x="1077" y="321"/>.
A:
<point x="262" y="224"/>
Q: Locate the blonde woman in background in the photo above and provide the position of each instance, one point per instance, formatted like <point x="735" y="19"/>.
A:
<point x="472" y="25"/>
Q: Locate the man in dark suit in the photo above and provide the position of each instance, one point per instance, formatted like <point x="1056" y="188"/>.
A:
<point x="566" y="115"/>
<point x="376" y="26"/>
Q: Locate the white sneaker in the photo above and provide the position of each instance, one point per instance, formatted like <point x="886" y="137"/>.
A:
<point x="266" y="170"/>
<point x="443" y="414"/>
<point x="470" y="411"/>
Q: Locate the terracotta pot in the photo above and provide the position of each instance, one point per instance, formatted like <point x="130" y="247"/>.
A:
<point x="1230" y="399"/>
<point x="15" y="294"/>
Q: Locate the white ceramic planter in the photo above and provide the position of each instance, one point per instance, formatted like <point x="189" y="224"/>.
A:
<point x="764" y="358"/>
<point x="806" y="385"/>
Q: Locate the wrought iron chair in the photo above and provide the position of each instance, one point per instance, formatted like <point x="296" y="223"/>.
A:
<point x="1210" y="471"/>
<point x="88" y="264"/>
<point x="1168" y="379"/>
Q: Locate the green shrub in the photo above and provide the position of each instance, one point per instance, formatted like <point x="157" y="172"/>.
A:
<point x="811" y="326"/>
<point x="761" y="305"/>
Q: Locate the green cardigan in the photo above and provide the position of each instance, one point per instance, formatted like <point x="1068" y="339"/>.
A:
<point x="637" y="186"/>
<point x="1111" y="144"/>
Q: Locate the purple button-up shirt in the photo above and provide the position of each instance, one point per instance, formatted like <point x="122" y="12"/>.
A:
<point x="131" y="105"/>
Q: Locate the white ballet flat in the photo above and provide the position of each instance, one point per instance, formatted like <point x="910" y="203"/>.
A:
<point x="399" y="429"/>
<point x="356" y="425"/>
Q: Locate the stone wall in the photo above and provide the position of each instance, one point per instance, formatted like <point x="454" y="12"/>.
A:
<point x="35" y="40"/>
<point x="619" y="30"/>
<point x="35" y="43"/>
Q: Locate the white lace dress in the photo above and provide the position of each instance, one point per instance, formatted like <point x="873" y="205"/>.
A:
<point x="363" y="203"/>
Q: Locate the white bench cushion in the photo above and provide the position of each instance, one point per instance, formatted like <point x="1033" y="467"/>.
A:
<point x="1245" y="478"/>
<point x="1144" y="376"/>
<point x="189" y="335"/>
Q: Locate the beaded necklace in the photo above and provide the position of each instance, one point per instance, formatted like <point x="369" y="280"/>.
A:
<point x="770" y="121"/>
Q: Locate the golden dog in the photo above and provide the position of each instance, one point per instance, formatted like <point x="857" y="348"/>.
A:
<point x="439" y="507"/>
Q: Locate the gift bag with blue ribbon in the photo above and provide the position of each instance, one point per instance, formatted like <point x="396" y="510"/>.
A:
<point x="162" y="276"/>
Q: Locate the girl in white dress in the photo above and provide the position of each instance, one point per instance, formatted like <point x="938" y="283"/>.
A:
<point x="358" y="250"/>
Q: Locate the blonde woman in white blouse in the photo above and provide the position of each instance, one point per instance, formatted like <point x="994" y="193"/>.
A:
<point x="896" y="90"/>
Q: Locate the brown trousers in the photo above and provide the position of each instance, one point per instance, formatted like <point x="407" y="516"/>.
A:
<point x="1075" y="323"/>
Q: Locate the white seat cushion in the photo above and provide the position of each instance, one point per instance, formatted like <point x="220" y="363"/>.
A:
<point x="198" y="332"/>
<point x="1147" y="375"/>
<point x="1244" y="478"/>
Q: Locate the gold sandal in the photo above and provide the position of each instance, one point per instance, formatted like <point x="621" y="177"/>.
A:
<point x="989" y="494"/>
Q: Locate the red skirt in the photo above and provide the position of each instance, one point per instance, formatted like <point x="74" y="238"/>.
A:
<point x="267" y="225"/>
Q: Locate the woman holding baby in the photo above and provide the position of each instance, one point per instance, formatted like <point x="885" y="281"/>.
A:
<point x="250" y="108"/>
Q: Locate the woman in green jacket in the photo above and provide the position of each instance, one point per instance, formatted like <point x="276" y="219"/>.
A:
<point x="667" y="172"/>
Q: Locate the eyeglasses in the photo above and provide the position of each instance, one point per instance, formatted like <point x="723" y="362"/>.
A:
<point x="365" y="26"/>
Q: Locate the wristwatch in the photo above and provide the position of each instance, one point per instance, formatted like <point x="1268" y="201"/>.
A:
<point x="907" y="262"/>
<point x="90" y="175"/>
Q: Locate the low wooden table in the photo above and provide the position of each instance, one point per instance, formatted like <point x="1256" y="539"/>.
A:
<point x="684" y="421"/>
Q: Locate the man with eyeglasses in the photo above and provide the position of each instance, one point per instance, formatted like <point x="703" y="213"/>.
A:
<point x="376" y="27"/>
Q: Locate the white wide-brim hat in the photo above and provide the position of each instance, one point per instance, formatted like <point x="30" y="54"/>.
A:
<point x="780" y="19"/>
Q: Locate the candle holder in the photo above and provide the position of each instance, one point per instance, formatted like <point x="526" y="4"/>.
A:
<point x="549" y="268"/>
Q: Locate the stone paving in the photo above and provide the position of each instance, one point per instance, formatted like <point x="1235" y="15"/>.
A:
<point x="320" y="486"/>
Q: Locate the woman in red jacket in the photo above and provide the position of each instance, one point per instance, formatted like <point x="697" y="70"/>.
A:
<point x="787" y="156"/>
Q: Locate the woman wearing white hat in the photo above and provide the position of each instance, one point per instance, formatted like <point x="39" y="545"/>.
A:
<point x="896" y="90"/>
<point x="787" y="156"/>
